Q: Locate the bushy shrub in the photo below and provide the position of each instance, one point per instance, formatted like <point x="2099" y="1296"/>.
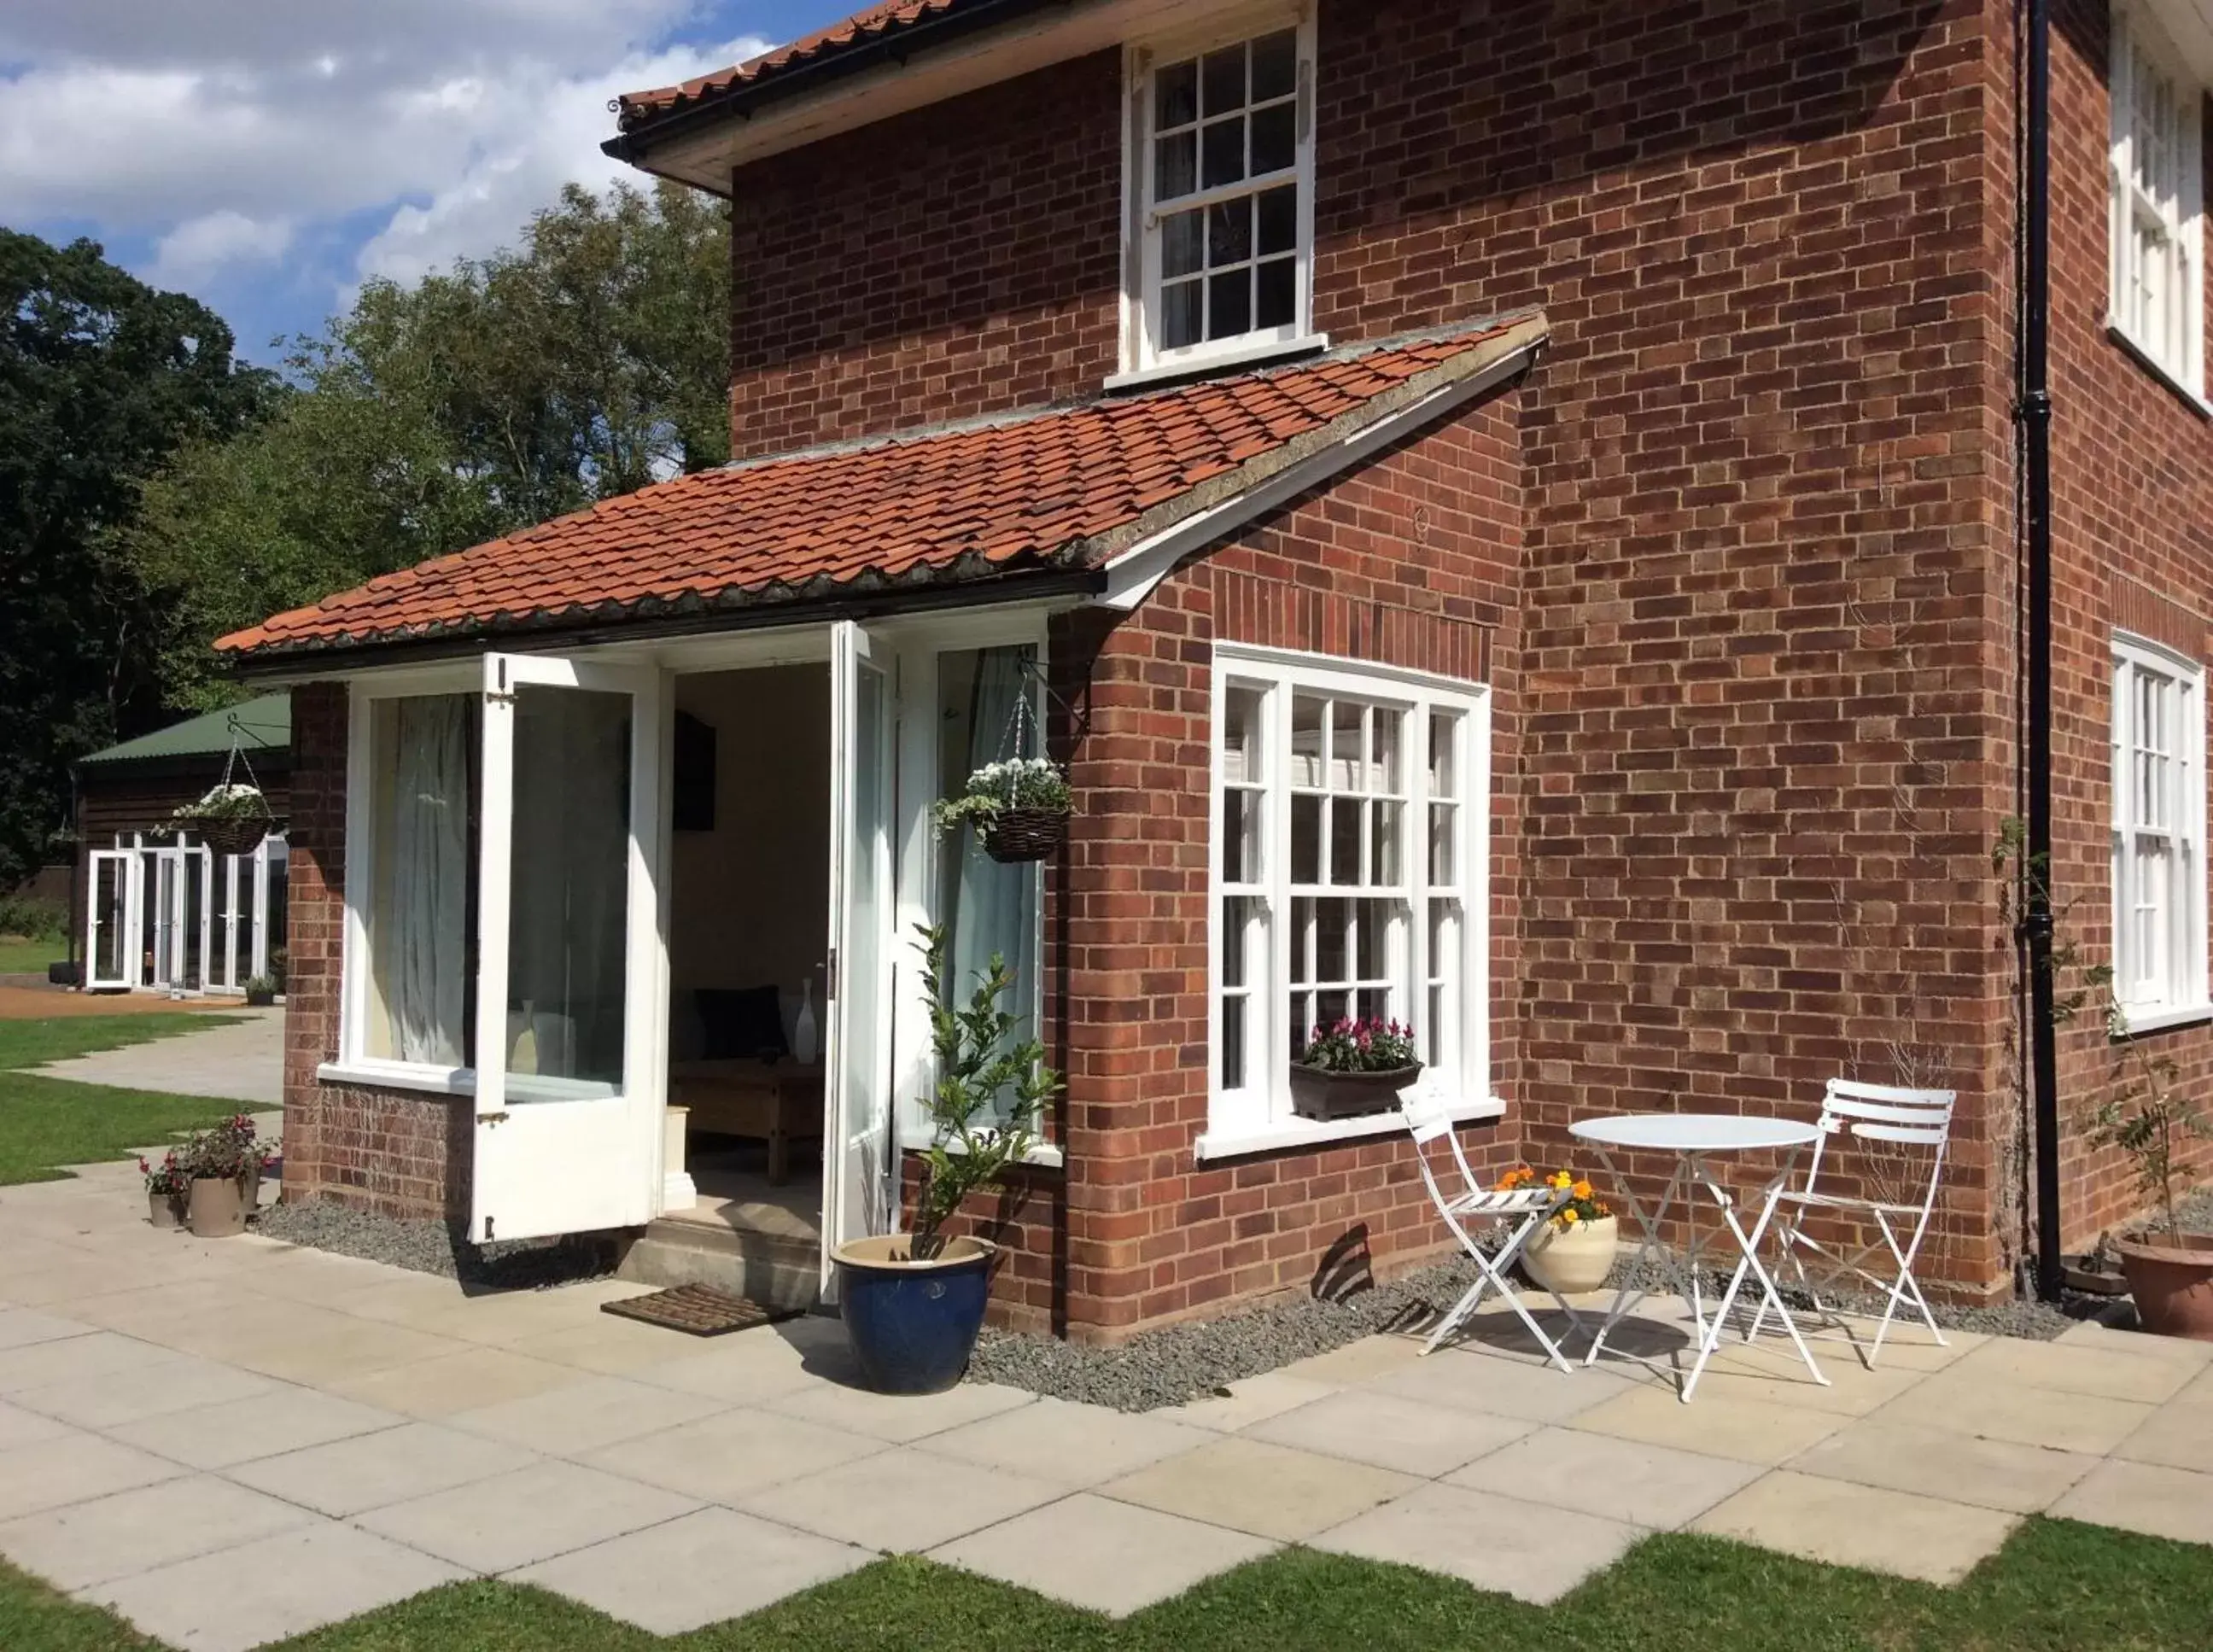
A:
<point x="32" y="917"/>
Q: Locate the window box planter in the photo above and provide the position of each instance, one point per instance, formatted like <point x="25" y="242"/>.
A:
<point x="1326" y="1094"/>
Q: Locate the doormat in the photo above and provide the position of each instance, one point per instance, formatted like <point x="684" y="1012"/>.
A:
<point x="699" y="1310"/>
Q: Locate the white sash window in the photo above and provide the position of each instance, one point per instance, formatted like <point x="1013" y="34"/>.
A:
<point x="2159" y="833"/>
<point x="2156" y="231"/>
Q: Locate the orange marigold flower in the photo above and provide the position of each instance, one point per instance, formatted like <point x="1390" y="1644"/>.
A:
<point x="1581" y="1190"/>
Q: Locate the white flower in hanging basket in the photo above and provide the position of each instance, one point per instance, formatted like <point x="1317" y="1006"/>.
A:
<point x="226" y="802"/>
<point x="1015" y="782"/>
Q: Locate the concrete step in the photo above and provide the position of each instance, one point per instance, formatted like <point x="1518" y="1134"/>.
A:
<point x="776" y="1270"/>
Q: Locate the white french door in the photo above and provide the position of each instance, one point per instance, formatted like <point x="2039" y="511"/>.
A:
<point x="859" y="1158"/>
<point x="569" y="975"/>
<point x="160" y="908"/>
<point x="111" y="913"/>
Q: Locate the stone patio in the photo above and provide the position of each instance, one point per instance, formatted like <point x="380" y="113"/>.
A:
<point x="234" y="1441"/>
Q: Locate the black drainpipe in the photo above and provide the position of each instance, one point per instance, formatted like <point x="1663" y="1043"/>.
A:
<point x="2033" y="413"/>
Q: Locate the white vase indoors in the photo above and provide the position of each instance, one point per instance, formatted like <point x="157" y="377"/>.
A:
<point x="805" y="1036"/>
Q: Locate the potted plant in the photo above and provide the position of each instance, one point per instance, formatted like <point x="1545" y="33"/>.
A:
<point x="231" y="819"/>
<point x="1352" y="1069"/>
<point x="1574" y="1248"/>
<point x="168" y="1185"/>
<point x="914" y="1301"/>
<point x="224" y="1167"/>
<point x="261" y="990"/>
<point x="2170" y="1272"/>
<point x="1018" y="808"/>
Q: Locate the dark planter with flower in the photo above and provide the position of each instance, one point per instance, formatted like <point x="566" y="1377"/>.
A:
<point x="1352" y="1069"/>
<point x="1019" y="809"/>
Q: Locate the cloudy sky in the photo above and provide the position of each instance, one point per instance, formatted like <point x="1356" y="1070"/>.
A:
<point x="265" y="155"/>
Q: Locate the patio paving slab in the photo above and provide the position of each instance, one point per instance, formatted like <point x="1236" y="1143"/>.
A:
<point x="1772" y="1373"/>
<point x="902" y="1501"/>
<point x="1869" y="1526"/>
<point x="605" y="1343"/>
<point x="729" y="1457"/>
<point x="1268" y="1490"/>
<point x="75" y="1359"/>
<point x="455" y="1382"/>
<point x="1101" y="1555"/>
<point x="1494" y="1543"/>
<point x="112" y="1537"/>
<point x="1390" y="1431"/>
<point x="368" y="1470"/>
<point x="73" y="1468"/>
<point x="531" y="1515"/>
<point x="309" y="1346"/>
<point x="2170" y="1502"/>
<point x="1470" y="1380"/>
<point x="1355" y="1362"/>
<point x="21" y="1428"/>
<point x="2178" y="1434"/>
<point x="1640" y="1484"/>
<point x="138" y="1392"/>
<point x="269" y="1589"/>
<point x="585" y="1415"/>
<point x="21" y="1327"/>
<point x="286" y="1418"/>
<point x="754" y="1365"/>
<point x="2182" y="1350"/>
<point x="1249" y="1400"/>
<point x="1935" y="1463"/>
<point x="1074" y="1445"/>
<point x="899" y="1418"/>
<point x="2075" y="1368"/>
<point x="1959" y="1403"/>
<point x="698" y="1568"/>
<point x="1747" y="1430"/>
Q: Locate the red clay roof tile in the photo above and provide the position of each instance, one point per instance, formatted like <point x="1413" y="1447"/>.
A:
<point x="1059" y="488"/>
<point x="869" y="24"/>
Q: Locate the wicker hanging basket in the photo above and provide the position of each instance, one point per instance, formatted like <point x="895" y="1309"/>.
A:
<point x="230" y="834"/>
<point x="1025" y="834"/>
<point x="231" y="831"/>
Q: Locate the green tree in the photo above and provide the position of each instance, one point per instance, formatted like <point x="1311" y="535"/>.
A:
<point x="101" y="378"/>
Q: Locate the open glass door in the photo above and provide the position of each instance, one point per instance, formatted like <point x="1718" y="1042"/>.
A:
<point x="568" y="1097"/>
<point x="111" y="950"/>
<point x="859" y="1159"/>
<point x="163" y="947"/>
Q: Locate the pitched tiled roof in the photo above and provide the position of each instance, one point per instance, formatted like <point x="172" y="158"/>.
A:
<point x="871" y="24"/>
<point x="1060" y="489"/>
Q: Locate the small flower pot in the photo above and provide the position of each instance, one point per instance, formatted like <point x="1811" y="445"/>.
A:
<point x="218" y="1207"/>
<point x="2170" y="1276"/>
<point x="912" y="1325"/>
<point x="1565" y="1260"/>
<point x="165" y="1210"/>
<point x="260" y="997"/>
<point x="1321" y="1092"/>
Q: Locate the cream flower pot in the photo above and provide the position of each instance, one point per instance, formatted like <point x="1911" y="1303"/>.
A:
<point x="1565" y="1260"/>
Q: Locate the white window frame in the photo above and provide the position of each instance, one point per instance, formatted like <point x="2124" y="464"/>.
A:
<point x="1258" y="1116"/>
<point x="1142" y="359"/>
<point x="2174" y="989"/>
<point x="2171" y="207"/>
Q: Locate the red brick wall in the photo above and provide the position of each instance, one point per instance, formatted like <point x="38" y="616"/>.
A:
<point x="399" y="1152"/>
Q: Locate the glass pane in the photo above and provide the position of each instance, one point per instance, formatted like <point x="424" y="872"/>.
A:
<point x="1175" y="166"/>
<point x="1241" y="836"/>
<point x="1383" y="752"/>
<point x="1344" y="840"/>
<point x="1229" y="232"/>
<point x="1240" y="734"/>
<point x="1279" y="219"/>
<point x="568" y="905"/>
<point x="1275" y="64"/>
<point x="1302" y="926"/>
<point x="111" y="915"/>
<point x="1371" y="939"/>
<point x="1346" y="752"/>
<point x="1183" y="243"/>
<point x="1176" y="96"/>
<point x="1237" y="926"/>
<point x="1443" y="780"/>
<point x="1223" y="76"/>
<point x="1275" y="138"/>
<point x="195" y="905"/>
<point x="1222" y="150"/>
<point x="1332" y="924"/>
<point x="242" y="915"/>
<point x="1180" y="306"/>
<point x="1306" y="839"/>
<point x="1444" y="864"/>
<point x="423" y="894"/>
<point x="1383" y="843"/>
<point x="1229" y="304"/>
<point x="1233" y="1043"/>
<point x="1276" y="304"/>
<point x="1306" y="740"/>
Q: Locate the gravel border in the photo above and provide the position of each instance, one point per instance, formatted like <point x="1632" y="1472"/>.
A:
<point x="427" y="1246"/>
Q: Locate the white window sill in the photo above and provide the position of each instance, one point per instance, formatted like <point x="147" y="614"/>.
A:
<point x="1214" y="361"/>
<point x="2151" y="364"/>
<point x="398" y="1075"/>
<point x="1309" y="1132"/>
<point x="2154" y="1020"/>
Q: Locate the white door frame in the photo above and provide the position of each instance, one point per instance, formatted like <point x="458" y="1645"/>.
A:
<point x="121" y="915"/>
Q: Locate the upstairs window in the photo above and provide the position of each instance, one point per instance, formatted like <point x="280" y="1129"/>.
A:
<point x="2159" y="833"/>
<point x="1221" y="186"/>
<point x="2157" y="207"/>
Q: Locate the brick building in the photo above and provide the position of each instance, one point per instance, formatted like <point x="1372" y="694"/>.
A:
<point x="1574" y="445"/>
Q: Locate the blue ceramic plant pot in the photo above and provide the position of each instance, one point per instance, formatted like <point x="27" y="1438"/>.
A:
<point x="912" y="1325"/>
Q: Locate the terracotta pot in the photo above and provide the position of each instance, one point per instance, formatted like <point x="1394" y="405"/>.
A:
<point x="1322" y="1093"/>
<point x="2170" y="1276"/>
<point x="1568" y="1259"/>
<point x="218" y="1207"/>
<point x="165" y="1210"/>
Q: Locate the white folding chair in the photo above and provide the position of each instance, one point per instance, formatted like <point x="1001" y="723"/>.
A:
<point x="1871" y="1112"/>
<point x="1427" y="1119"/>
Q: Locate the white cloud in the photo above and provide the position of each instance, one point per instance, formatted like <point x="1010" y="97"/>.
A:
<point x="228" y="132"/>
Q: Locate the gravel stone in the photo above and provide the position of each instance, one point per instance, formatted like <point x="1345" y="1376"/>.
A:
<point x="427" y="1246"/>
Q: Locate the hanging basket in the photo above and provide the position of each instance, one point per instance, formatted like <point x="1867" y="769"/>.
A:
<point x="229" y="834"/>
<point x="1025" y="834"/>
<point x="231" y="819"/>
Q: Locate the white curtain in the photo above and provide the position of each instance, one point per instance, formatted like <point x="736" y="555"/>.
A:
<point x="429" y="873"/>
<point x="995" y="906"/>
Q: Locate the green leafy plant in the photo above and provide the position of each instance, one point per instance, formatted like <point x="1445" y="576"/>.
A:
<point x="2145" y="1116"/>
<point x="1373" y="1045"/>
<point x="262" y="983"/>
<point x="33" y="919"/>
<point x="170" y="1179"/>
<point x="227" y="1152"/>
<point x="988" y="1105"/>
<point x="1016" y="783"/>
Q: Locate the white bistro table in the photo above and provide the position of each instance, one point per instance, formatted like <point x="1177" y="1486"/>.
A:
<point x="1694" y="1138"/>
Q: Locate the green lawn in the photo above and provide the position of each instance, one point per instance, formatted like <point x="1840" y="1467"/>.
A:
<point x="2057" y="1587"/>
<point x="21" y="957"/>
<point x="47" y="1122"/>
